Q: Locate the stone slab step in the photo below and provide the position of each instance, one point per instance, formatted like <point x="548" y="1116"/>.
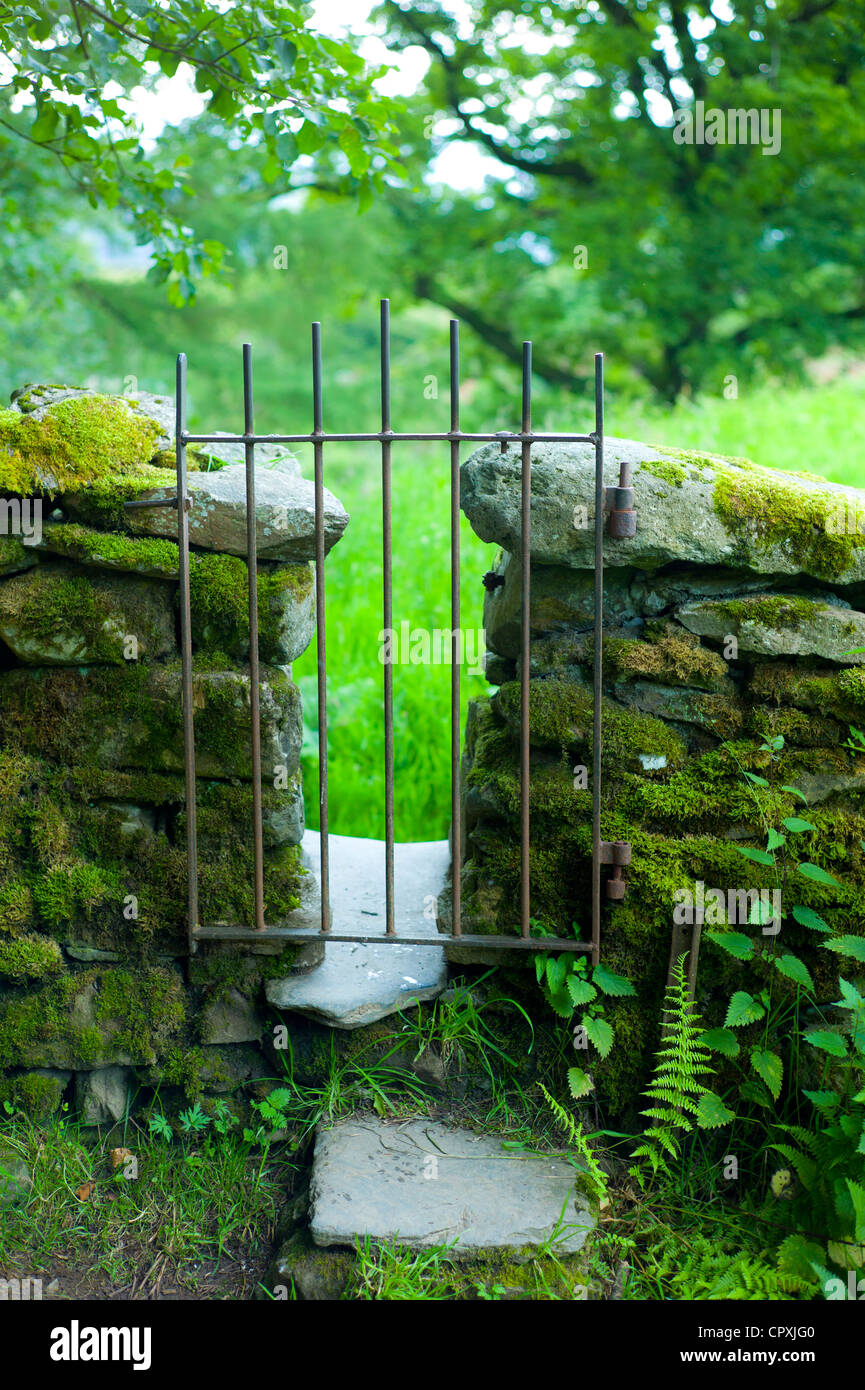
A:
<point x="425" y="1183"/>
<point x="361" y="982"/>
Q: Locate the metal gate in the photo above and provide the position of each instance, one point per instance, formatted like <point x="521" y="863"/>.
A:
<point x="613" y="509"/>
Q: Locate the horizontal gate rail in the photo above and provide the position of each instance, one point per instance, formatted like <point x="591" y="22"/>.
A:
<point x="617" y="501"/>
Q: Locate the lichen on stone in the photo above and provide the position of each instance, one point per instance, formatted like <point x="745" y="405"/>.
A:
<point x="71" y="443"/>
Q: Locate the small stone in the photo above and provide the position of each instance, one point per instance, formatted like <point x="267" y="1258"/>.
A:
<point x="232" y="1018"/>
<point x="284" y="510"/>
<point x="101" y="1096"/>
<point x="781" y="625"/>
<point x="16" y="1180"/>
<point x="58" y="615"/>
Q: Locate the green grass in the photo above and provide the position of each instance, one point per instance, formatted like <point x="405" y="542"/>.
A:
<point x="190" y="1210"/>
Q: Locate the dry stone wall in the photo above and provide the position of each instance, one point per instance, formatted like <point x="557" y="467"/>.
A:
<point x="97" y="997"/>
<point x="729" y="694"/>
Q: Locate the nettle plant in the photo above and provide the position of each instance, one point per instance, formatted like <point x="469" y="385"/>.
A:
<point x="570" y="987"/>
<point x="777" y="1019"/>
<point x="827" y="1157"/>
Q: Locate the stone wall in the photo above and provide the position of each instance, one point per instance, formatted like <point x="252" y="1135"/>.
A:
<point x="97" y="997"/>
<point x="728" y="702"/>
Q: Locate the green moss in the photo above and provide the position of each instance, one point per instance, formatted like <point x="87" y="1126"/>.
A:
<point x="560" y="714"/>
<point x="76" y="441"/>
<point x="16" y="905"/>
<point x="29" y="958"/>
<point x="219" y="597"/>
<point x="49" y="601"/>
<point x="667" y="470"/>
<point x="100" y="502"/>
<point x="132" y="716"/>
<point x="767" y="513"/>
<point x="14" y="555"/>
<point x="36" y="1095"/>
<point x="773" y="610"/>
<point x="71" y="892"/>
<point x="150" y="1006"/>
<point x="671" y="658"/>
<point x="106" y="550"/>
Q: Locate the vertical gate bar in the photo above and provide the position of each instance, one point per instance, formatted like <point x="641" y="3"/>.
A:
<point x="318" y="455"/>
<point x="525" y="754"/>
<point x="598" y="657"/>
<point x="387" y="610"/>
<point x="456" y="642"/>
<point x="254" y="701"/>
<point x="186" y="652"/>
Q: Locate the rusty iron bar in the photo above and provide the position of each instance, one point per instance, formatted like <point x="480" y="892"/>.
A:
<point x="597" y="673"/>
<point x="254" y="698"/>
<point x="320" y="635"/>
<point x="494" y="943"/>
<point x="526" y="636"/>
<point x="181" y="501"/>
<point x="503" y="437"/>
<point x="456" y="637"/>
<point x="387" y="611"/>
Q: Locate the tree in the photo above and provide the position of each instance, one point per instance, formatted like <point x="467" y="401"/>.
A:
<point x="689" y="261"/>
<point x="68" y="130"/>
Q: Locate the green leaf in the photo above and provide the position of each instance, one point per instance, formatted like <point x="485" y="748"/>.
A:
<point x="757" y="856"/>
<point x="611" y="983"/>
<point x="775" y="840"/>
<point x="758" y="781"/>
<point x="824" y="1100"/>
<point x="560" y="1002"/>
<point x="735" y="942"/>
<point x="599" y="1033"/>
<point x="557" y="970"/>
<point x="712" y="1112"/>
<point x="817" y="875"/>
<point x="757" y="1094"/>
<point x="743" y="1009"/>
<point x="832" y="1043"/>
<point x="794" y="791"/>
<point x="579" y="1083"/>
<point x="722" y="1040"/>
<point x="769" y="1068"/>
<point x="582" y="991"/>
<point x="853" y="946"/>
<point x="794" y="969"/>
<point x="807" y="917"/>
<point x="796" y="825"/>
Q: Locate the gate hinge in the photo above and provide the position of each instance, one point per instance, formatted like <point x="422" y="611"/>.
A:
<point x="619" y="502"/>
<point x="617" y="853"/>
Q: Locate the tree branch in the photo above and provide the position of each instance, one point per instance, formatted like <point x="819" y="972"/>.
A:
<point x="496" y="336"/>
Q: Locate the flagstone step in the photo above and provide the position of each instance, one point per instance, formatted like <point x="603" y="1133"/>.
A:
<point x="424" y="1183"/>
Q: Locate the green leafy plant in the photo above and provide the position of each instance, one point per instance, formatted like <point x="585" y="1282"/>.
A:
<point x="679" y="1098"/>
<point x="829" y="1157"/>
<point x="568" y="985"/>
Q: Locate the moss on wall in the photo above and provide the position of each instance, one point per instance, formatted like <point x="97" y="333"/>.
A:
<point x="72" y="442"/>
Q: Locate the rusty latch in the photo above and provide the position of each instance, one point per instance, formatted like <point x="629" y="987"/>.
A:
<point x="617" y="853"/>
<point x="619" y="502"/>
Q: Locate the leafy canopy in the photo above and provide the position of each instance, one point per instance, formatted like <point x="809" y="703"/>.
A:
<point x="67" y="123"/>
